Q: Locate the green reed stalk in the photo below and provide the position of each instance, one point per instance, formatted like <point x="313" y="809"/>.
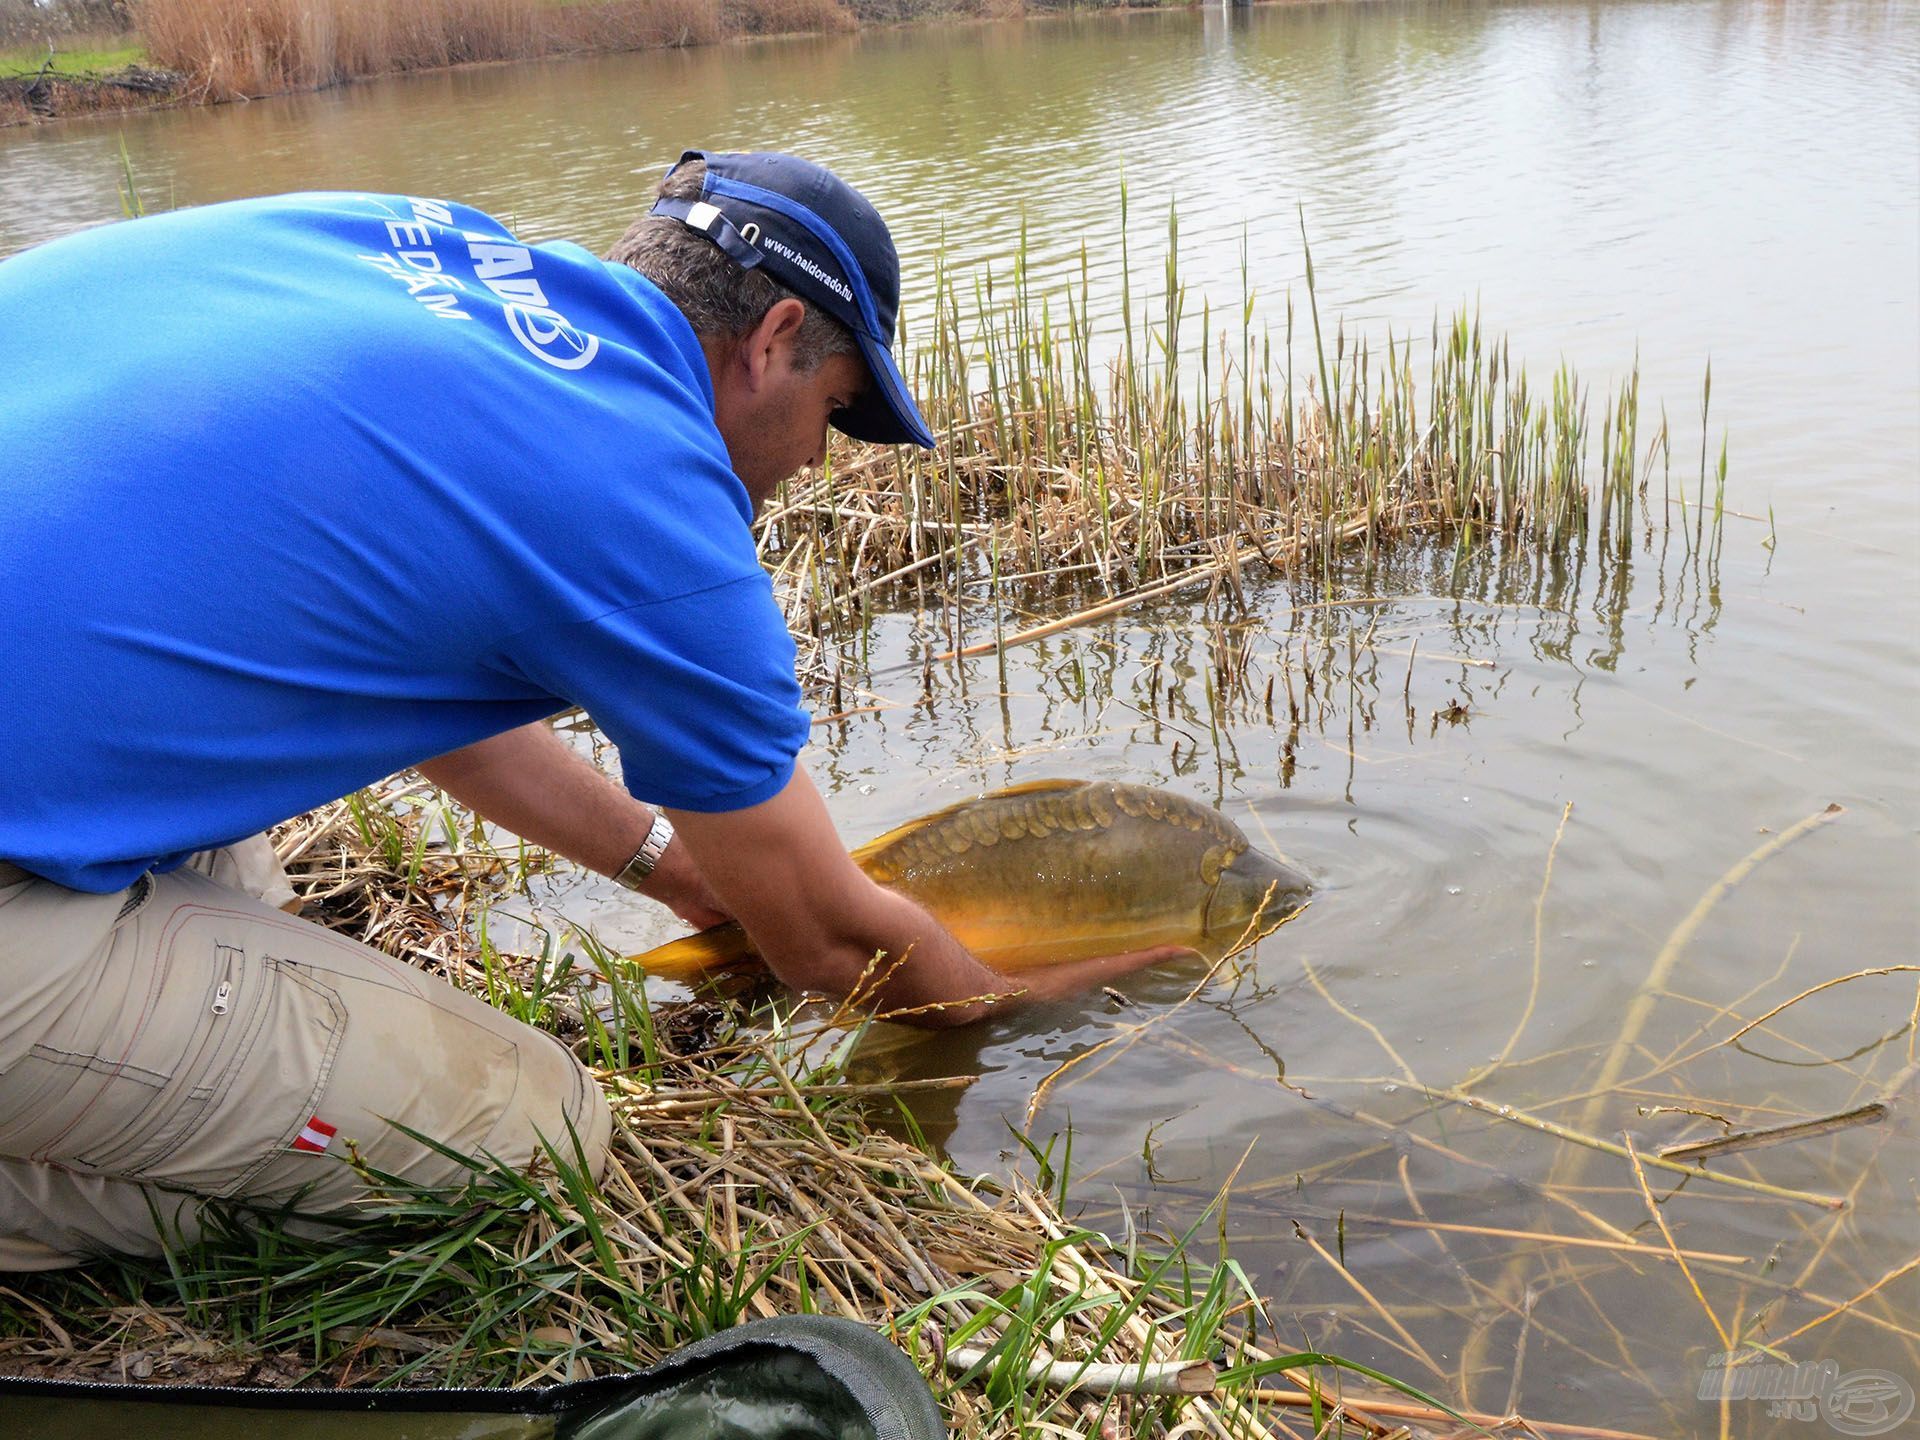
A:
<point x="1700" y="500"/>
<point x="1319" y="344"/>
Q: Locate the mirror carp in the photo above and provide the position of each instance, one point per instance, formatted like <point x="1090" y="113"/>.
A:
<point x="1059" y="870"/>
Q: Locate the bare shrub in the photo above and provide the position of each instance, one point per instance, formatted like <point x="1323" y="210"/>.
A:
<point x="634" y="25"/>
<point x="894" y="12"/>
<point x="785" y="17"/>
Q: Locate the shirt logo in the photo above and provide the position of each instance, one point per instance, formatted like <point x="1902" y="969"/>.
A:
<point x="500" y="265"/>
<point x="552" y="337"/>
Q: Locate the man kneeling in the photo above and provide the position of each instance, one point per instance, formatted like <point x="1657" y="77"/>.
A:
<point x="307" y="490"/>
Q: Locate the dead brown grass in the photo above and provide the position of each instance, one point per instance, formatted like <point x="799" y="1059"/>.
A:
<point x="235" y="48"/>
<point x="232" y="48"/>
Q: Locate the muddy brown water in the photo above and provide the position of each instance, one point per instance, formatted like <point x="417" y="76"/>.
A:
<point x="1679" y="180"/>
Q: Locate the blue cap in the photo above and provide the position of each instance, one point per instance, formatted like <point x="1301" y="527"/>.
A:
<point x="820" y="238"/>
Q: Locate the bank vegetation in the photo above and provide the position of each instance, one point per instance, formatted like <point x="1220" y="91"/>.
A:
<point x="71" y="56"/>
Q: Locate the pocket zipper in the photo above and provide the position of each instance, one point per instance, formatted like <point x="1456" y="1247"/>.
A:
<point x="223" y="992"/>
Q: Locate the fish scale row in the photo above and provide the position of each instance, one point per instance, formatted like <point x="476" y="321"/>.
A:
<point x="1139" y="802"/>
<point x="1089" y="807"/>
<point x="1013" y="818"/>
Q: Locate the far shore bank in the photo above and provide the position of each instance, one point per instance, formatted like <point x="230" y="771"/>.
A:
<point x="199" y="52"/>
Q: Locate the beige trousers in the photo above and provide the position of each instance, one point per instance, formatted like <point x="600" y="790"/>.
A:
<point x="185" y="1039"/>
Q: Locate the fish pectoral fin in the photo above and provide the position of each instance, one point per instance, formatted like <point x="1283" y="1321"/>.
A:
<point x="912" y="827"/>
<point x="692" y="956"/>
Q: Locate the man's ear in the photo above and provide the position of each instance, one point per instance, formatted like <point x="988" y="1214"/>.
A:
<point x="771" y="341"/>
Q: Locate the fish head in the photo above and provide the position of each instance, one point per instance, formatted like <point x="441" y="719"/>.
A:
<point x="1248" y="893"/>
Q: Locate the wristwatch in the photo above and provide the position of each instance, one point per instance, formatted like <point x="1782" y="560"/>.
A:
<point x="635" y="872"/>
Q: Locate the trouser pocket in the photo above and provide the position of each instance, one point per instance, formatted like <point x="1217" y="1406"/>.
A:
<point x="196" y="1062"/>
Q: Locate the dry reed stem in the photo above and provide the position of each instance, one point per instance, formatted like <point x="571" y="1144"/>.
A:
<point x="1406" y="1342"/>
<point x="1163" y="1377"/>
<point x="1607" y="1147"/>
<point x="1541" y="1237"/>
<point x="1742" y="1140"/>
<point x="1679" y="1055"/>
<point x="1815" y="990"/>
<point x="1673" y="1249"/>
<point x="1844" y="1307"/>
<point x="1406" y="1071"/>
<point x="1539" y="947"/>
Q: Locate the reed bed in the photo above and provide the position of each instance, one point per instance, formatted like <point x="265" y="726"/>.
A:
<point x="234" y="48"/>
<point x="1155" y="438"/>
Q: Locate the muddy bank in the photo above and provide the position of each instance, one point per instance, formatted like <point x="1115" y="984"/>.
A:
<point x="50" y="94"/>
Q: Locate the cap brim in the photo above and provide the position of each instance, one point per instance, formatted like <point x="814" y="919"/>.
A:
<point x="886" y="414"/>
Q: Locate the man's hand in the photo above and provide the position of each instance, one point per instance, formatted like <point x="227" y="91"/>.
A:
<point x="818" y="921"/>
<point x="1052" y="982"/>
<point x="677" y="883"/>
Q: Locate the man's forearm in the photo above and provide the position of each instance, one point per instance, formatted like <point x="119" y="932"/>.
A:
<point x="817" y="919"/>
<point x="528" y="781"/>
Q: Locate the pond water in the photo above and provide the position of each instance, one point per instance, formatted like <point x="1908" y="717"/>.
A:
<point x="1682" y="181"/>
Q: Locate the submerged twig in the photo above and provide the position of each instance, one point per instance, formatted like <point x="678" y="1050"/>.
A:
<point x="1673" y="1249"/>
<point x="1869" y="1114"/>
<point x="1815" y="990"/>
<point x="1607" y="1147"/>
<point x="1539" y="946"/>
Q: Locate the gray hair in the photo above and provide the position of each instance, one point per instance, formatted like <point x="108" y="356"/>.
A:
<point x="715" y="294"/>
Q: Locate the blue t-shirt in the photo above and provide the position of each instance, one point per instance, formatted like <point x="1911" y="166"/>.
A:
<point x="300" y="491"/>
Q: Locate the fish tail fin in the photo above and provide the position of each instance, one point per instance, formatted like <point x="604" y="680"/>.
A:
<point x="695" y="955"/>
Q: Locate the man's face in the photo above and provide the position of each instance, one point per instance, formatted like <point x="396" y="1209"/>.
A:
<point x="784" y="428"/>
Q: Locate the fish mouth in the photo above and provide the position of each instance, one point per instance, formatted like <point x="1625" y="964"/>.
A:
<point x="1253" y="896"/>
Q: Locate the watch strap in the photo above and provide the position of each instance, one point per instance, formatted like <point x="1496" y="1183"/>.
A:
<point x="635" y="872"/>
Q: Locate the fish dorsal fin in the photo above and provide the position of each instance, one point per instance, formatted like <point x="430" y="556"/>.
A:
<point x="881" y="844"/>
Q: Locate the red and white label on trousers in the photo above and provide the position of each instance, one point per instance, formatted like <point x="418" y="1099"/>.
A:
<point x="315" y="1135"/>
